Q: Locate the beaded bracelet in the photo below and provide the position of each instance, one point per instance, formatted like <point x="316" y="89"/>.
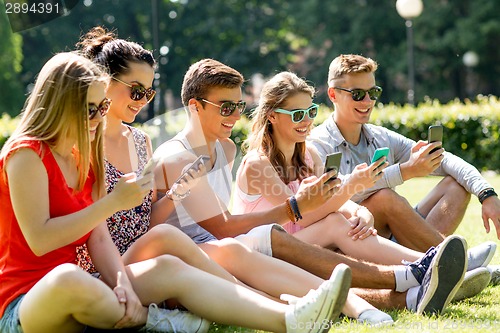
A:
<point x="178" y="197"/>
<point x="289" y="211"/>
<point x="295" y="208"/>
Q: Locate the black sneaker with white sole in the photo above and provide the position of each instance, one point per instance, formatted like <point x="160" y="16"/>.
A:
<point x="444" y="276"/>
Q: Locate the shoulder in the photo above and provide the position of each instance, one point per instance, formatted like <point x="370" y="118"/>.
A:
<point x="255" y="162"/>
<point x="229" y="147"/>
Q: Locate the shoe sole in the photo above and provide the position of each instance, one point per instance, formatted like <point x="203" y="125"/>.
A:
<point x="447" y="274"/>
<point x="339" y="289"/>
<point x="473" y="283"/>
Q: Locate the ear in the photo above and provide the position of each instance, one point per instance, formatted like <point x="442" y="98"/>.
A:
<point x="193" y="105"/>
<point x="331" y="94"/>
<point x="272" y="118"/>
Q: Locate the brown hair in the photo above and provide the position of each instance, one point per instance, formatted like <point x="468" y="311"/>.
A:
<point x="274" y="94"/>
<point x="349" y="64"/>
<point x="206" y="74"/>
<point x="102" y="47"/>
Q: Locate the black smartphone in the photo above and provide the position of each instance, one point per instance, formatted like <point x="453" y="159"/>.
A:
<point x="332" y="162"/>
<point x="435" y="134"/>
<point x="193" y="166"/>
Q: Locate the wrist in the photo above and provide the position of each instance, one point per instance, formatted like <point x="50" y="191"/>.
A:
<point x="175" y="196"/>
<point x="485" y="194"/>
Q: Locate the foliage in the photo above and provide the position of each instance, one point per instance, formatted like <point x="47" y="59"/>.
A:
<point x="268" y="36"/>
<point x="11" y="93"/>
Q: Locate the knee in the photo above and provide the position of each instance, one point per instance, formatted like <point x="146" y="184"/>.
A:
<point x="384" y="199"/>
<point x="333" y="225"/>
<point x="169" y="265"/>
<point x="454" y="188"/>
<point x="165" y="233"/>
<point x="69" y="281"/>
<point x="231" y="248"/>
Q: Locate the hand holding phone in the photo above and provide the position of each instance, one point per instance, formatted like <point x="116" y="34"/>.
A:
<point x="150" y="166"/>
<point x="435" y="135"/>
<point x="379" y="153"/>
<point x="332" y="162"/>
<point x="193" y="166"/>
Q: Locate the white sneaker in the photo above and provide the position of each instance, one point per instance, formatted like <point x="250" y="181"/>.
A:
<point x="480" y="255"/>
<point x="474" y="282"/>
<point x="164" y="320"/>
<point x="316" y="311"/>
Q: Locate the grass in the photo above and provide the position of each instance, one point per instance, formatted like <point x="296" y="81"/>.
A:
<point x="478" y="314"/>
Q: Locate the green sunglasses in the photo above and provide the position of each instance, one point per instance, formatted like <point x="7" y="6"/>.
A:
<point x="359" y="94"/>
<point x="299" y="114"/>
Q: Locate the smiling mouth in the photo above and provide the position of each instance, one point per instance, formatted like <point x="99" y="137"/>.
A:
<point x="228" y="125"/>
<point x="363" y="110"/>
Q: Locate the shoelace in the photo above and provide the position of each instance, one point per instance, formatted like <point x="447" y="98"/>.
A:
<point x="422" y="264"/>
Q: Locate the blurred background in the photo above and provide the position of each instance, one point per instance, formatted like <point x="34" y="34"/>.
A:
<point x="445" y="50"/>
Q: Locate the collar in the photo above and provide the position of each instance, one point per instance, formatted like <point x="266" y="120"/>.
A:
<point x="338" y="139"/>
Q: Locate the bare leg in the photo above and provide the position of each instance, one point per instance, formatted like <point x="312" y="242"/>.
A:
<point x="332" y="232"/>
<point x="272" y="276"/>
<point x="66" y="299"/>
<point x="444" y="207"/>
<point x="206" y="295"/>
<point x="383" y="299"/>
<point x="321" y="262"/>
<point x="394" y="215"/>
<point x="166" y="239"/>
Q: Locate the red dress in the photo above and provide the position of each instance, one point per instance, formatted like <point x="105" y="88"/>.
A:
<point x="20" y="268"/>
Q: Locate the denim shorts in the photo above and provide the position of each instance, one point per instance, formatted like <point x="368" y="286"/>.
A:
<point x="9" y="323"/>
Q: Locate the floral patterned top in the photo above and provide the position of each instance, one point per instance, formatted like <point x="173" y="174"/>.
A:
<point x="125" y="226"/>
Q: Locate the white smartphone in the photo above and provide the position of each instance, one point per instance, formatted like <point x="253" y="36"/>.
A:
<point x="150" y="166"/>
<point x="193" y="166"/>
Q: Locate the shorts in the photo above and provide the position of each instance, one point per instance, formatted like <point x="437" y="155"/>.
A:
<point x="259" y="238"/>
<point x="10" y="323"/>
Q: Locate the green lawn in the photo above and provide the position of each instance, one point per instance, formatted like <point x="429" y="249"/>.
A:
<point x="478" y="314"/>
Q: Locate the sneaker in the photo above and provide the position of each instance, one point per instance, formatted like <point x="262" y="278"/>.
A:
<point x="164" y="320"/>
<point x="316" y="311"/>
<point x="495" y="274"/>
<point x="419" y="267"/>
<point x="481" y="255"/>
<point x="474" y="282"/>
<point x="375" y="318"/>
<point x="444" y="276"/>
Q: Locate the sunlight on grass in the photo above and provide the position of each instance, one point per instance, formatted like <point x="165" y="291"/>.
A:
<point x="478" y="314"/>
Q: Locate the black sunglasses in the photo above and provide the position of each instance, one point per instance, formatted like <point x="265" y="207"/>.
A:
<point x="102" y="108"/>
<point x="359" y="94"/>
<point x="227" y="108"/>
<point x="138" y="91"/>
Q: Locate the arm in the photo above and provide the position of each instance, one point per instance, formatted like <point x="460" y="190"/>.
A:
<point x="108" y="262"/>
<point x="28" y="184"/>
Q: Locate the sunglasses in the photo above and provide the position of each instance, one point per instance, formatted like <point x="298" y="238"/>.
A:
<point x="227" y="108"/>
<point x="138" y="91"/>
<point x="359" y="94"/>
<point x="102" y="108"/>
<point x="299" y="114"/>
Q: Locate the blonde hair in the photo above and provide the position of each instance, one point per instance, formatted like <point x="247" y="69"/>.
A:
<point x="57" y="107"/>
<point x="274" y="94"/>
<point x="349" y="64"/>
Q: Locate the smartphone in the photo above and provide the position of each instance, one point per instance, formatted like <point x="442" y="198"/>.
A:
<point x="333" y="163"/>
<point x="150" y="166"/>
<point x="193" y="166"/>
<point x="435" y="134"/>
<point x="379" y="153"/>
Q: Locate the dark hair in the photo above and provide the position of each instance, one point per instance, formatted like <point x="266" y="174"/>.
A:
<point x="105" y="49"/>
<point x="206" y="74"/>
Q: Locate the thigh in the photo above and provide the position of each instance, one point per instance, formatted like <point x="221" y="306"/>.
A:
<point x="53" y="301"/>
<point x="329" y="232"/>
